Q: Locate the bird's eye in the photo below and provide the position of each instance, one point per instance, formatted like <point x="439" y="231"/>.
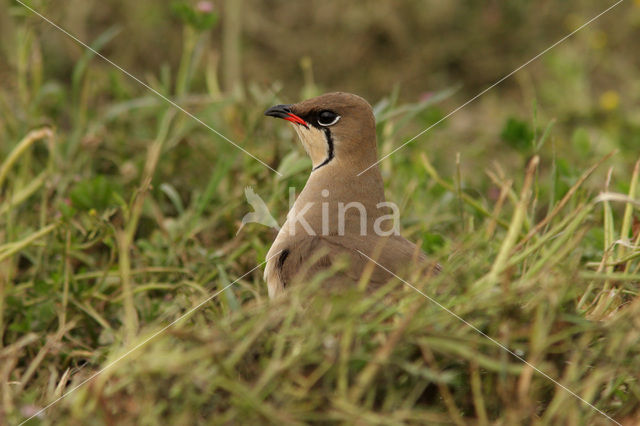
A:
<point x="327" y="118"/>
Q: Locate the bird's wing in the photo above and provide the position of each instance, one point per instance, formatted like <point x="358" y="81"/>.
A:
<point x="393" y="255"/>
<point x="303" y="258"/>
<point x="298" y="260"/>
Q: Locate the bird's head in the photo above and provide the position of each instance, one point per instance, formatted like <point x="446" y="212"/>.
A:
<point x="334" y="128"/>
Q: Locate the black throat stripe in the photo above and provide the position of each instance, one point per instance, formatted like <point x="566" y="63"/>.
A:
<point x="329" y="138"/>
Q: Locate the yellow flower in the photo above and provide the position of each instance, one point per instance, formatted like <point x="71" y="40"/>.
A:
<point x="609" y="100"/>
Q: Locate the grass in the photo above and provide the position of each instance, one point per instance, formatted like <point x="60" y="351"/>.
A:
<point x="119" y="214"/>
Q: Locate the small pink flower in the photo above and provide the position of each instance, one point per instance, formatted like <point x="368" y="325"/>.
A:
<point x="31" y="410"/>
<point x="204" y="7"/>
<point x="425" y="96"/>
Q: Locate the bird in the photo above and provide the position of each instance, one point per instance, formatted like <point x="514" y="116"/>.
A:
<point x="341" y="213"/>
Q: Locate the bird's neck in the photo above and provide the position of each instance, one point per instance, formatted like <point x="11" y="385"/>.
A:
<point x="336" y="201"/>
<point x="338" y="182"/>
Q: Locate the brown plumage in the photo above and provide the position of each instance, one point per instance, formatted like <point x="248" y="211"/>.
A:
<point x="338" y="132"/>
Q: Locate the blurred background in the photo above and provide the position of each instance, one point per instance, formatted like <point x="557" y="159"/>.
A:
<point x="371" y="48"/>
<point x="412" y="49"/>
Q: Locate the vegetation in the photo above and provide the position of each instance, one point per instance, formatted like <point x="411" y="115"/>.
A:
<point x="119" y="213"/>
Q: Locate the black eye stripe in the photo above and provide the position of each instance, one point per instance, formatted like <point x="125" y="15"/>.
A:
<point x="320" y="119"/>
<point x="327" y="118"/>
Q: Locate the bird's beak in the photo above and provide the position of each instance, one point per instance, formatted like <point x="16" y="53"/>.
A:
<point x="284" y="111"/>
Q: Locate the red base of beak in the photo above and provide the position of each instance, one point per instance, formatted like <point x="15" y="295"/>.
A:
<point x="295" y="119"/>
